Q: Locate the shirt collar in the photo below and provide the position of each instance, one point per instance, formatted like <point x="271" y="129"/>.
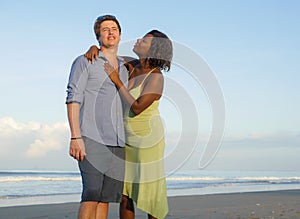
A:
<point x="101" y="56"/>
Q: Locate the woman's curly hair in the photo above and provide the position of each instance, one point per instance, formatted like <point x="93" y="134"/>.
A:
<point x="161" y="51"/>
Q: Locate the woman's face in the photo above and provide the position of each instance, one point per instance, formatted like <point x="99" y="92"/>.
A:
<point x="143" y="45"/>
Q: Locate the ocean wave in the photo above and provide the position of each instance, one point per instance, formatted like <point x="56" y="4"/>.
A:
<point x="270" y="179"/>
<point x="18" y="184"/>
<point x="34" y="195"/>
<point x="37" y="172"/>
<point x="246" y="179"/>
<point x="194" y="178"/>
<point x="37" y="178"/>
<point x="202" y="182"/>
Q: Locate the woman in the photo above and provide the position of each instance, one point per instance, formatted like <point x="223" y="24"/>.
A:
<point x="145" y="183"/>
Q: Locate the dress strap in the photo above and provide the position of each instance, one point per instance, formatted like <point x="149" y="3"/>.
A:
<point x="147" y="75"/>
<point x="130" y="73"/>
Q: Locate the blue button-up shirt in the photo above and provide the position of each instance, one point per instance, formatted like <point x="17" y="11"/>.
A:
<point x="101" y="114"/>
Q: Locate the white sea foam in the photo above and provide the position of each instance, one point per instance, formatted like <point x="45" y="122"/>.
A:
<point x="37" y="178"/>
<point x="25" y="187"/>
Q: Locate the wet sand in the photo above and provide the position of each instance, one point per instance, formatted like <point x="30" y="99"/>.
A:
<point x="252" y="205"/>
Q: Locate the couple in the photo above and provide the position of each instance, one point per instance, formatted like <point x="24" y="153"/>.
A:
<point x="99" y="94"/>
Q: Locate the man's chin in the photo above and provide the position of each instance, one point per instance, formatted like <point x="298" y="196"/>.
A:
<point x="112" y="46"/>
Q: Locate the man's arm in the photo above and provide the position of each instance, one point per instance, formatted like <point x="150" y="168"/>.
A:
<point x="75" y="89"/>
<point x="77" y="148"/>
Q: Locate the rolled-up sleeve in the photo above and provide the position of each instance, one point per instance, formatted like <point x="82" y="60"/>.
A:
<point x="77" y="81"/>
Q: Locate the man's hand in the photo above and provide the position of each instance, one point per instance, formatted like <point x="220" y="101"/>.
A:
<point x="77" y="149"/>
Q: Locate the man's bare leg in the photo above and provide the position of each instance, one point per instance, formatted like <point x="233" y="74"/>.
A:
<point x="102" y="210"/>
<point x="87" y="210"/>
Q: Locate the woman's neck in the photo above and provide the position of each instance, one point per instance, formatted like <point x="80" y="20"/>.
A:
<point x="144" y="64"/>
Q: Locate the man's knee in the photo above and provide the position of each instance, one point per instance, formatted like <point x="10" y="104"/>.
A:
<point x="90" y="195"/>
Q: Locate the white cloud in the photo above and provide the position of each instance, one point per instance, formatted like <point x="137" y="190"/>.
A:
<point x="50" y="138"/>
<point x="254" y="151"/>
<point x="31" y="139"/>
<point x="283" y="136"/>
<point x="9" y="127"/>
<point x="41" y="147"/>
<point x="34" y="144"/>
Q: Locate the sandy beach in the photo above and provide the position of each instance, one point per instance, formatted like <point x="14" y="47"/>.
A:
<point x="273" y="204"/>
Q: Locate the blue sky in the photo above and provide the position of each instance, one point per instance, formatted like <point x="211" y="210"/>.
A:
<point x="252" y="47"/>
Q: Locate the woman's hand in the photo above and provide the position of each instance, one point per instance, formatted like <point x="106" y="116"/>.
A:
<point x="92" y="54"/>
<point x="113" y="74"/>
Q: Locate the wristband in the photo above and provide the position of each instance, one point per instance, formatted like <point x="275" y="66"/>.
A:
<point x="75" y="138"/>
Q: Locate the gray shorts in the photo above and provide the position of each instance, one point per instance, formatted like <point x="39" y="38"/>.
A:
<point x="102" y="172"/>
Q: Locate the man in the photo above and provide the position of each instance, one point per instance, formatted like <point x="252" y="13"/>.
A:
<point x="96" y="122"/>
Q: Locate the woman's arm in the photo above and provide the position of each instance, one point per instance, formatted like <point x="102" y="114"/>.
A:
<point x="152" y="90"/>
<point x="92" y="53"/>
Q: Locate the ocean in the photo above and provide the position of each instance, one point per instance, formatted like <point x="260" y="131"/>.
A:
<point x="44" y="187"/>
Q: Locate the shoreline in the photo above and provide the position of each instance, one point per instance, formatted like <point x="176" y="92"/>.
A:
<point x="75" y="198"/>
<point x="264" y="204"/>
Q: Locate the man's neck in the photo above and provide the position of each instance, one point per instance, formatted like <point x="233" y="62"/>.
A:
<point x="109" y="53"/>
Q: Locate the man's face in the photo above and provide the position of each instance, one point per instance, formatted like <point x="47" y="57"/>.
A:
<point x="109" y="34"/>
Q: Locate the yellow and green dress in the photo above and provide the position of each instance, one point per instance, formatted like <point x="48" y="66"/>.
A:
<point x="145" y="181"/>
